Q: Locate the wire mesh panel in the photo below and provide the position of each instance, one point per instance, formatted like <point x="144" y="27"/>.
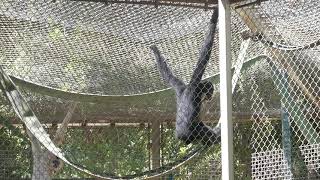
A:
<point x="91" y="99"/>
<point x="284" y="147"/>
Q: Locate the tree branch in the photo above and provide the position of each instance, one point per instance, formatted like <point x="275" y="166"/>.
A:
<point x="61" y="131"/>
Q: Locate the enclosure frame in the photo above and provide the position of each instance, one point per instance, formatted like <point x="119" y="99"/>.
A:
<point x="225" y="90"/>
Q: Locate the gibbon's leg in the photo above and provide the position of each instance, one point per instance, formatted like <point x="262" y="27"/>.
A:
<point x="207" y="135"/>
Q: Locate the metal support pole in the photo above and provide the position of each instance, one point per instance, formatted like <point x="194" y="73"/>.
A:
<point x="225" y="90"/>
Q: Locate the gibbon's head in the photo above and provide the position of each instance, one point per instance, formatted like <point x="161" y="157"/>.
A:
<point x="206" y="88"/>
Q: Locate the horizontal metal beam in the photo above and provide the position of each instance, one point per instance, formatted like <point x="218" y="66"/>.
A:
<point x="202" y="4"/>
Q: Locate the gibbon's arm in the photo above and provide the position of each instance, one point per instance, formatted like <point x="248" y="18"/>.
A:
<point x="205" y="50"/>
<point x="166" y="72"/>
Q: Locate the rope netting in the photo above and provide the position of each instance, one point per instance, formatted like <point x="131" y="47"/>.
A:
<point x="98" y="101"/>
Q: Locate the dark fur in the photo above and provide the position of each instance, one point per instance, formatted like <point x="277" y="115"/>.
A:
<point x="189" y="127"/>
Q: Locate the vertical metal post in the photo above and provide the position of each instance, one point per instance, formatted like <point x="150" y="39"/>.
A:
<point x="225" y="90"/>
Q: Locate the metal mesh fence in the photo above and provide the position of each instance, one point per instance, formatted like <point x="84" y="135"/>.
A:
<point x="284" y="147"/>
<point x="99" y="103"/>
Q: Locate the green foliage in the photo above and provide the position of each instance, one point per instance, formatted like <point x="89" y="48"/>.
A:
<point x="242" y="150"/>
<point x="15" y="147"/>
<point x="205" y="166"/>
<point x="115" y="151"/>
<point x="125" y="150"/>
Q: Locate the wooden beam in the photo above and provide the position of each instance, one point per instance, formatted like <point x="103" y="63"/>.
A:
<point x="255" y="20"/>
<point x="141" y="118"/>
<point x="155" y="145"/>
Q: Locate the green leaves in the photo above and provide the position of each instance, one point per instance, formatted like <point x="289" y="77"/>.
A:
<point x="16" y="146"/>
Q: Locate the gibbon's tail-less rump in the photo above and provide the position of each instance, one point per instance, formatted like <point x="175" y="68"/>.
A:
<point x="189" y="127"/>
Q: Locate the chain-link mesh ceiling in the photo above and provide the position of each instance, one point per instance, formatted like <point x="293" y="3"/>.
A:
<point x="98" y="48"/>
